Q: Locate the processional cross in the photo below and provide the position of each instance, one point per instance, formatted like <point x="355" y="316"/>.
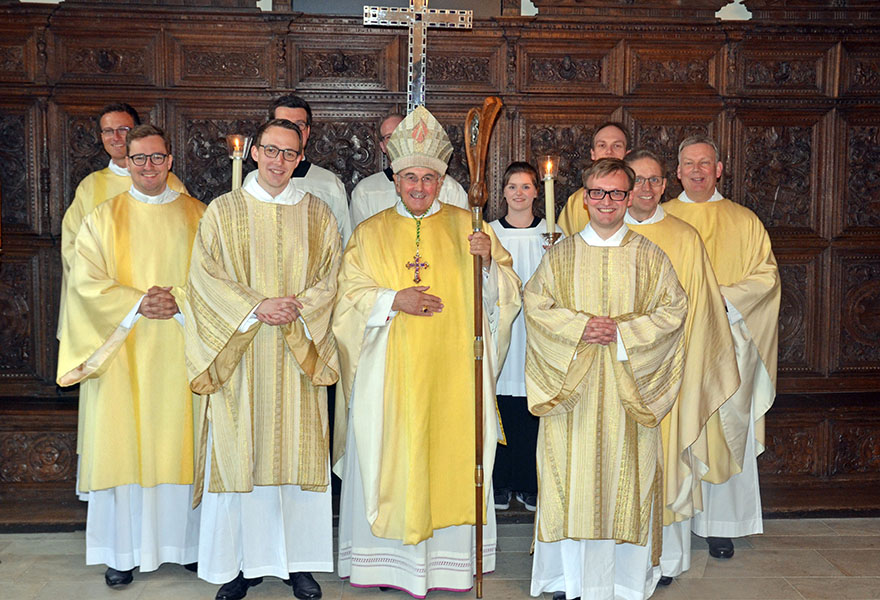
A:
<point x="418" y="17"/>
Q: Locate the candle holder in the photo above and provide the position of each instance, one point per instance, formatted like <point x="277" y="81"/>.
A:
<point x="238" y="145"/>
<point x="548" y="169"/>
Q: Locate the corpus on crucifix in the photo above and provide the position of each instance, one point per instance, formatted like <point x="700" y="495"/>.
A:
<point x="418" y="17"/>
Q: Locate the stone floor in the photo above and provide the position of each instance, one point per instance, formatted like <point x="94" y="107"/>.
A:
<point x="795" y="559"/>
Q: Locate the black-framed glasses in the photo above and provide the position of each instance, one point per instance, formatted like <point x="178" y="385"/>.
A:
<point x="289" y="154"/>
<point x="653" y="181"/>
<point x="157" y="158"/>
<point x="108" y="131"/>
<point x="616" y="195"/>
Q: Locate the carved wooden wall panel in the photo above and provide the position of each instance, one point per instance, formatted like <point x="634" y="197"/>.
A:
<point x="241" y="61"/>
<point x="772" y="68"/>
<point x="22" y="168"/>
<point x="581" y="69"/>
<point x="683" y="68"/>
<point x="94" y="57"/>
<point x="860" y="209"/>
<point x="856" y="346"/>
<point x="861" y="69"/>
<point x="795" y="110"/>
<point x="778" y="170"/>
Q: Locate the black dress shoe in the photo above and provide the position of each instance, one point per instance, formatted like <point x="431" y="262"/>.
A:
<point x="561" y="596"/>
<point x="237" y="588"/>
<point x="113" y="578"/>
<point x="720" y="547"/>
<point x="194" y="567"/>
<point x="664" y="580"/>
<point x="304" y="586"/>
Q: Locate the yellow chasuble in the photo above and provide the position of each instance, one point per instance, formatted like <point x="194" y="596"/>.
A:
<point x="263" y="390"/>
<point x="599" y="454"/>
<point x="95" y="188"/>
<point x="138" y="419"/>
<point x="416" y="443"/>
<point x="574" y="216"/>
<point x="739" y="248"/>
<point x="710" y="371"/>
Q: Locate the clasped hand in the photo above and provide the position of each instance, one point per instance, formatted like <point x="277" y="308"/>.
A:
<point x="158" y="303"/>
<point x="600" y="330"/>
<point x="279" y="311"/>
<point x="414" y="301"/>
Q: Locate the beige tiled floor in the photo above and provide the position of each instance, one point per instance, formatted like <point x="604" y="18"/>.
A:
<point x="801" y="559"/>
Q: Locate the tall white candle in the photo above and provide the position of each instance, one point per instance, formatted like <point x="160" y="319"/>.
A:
<point x="549" y="198"/>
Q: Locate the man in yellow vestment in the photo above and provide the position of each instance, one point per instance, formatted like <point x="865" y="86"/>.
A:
<point x="692" y="436"/>
<point x="260" y="352"/>
<point x="605" y="318"/>
<point x="739" y="248"/>
<point x="124" y="335"/>
<point x="115" y="121"/>
<point x="610" y="140"/>
<point x="404" y="319"/>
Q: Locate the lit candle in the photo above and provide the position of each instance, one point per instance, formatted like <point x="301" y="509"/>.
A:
<point x="549" y="197"/>
<point x="236" y="164"/>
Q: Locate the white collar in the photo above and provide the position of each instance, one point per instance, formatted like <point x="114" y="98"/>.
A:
<point x="403" y="212"/>
<point x="592" y="238"/>
<point x="117" y="170"/>
<point x="166" y="197"/>
<point x="716" y="196"/>
<point x="655" y="218"/>
<point x="288" y="196"/>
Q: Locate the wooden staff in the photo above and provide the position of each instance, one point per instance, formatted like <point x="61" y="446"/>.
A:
<point x="477" y="131"/>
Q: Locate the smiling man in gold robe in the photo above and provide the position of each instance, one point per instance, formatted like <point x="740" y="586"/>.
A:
<point x="260" y="352"/>
<point x="605" y="319"/>
<point x="404" y="319"/>
<point x="124" y="336"/>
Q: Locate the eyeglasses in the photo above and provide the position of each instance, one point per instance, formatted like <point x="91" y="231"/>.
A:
<point x="107" y="132"/>
<point x="652" y="181"/>
<point x="413" y="179"/>
<point x="616" y="195"/>
<point x="289" y="154"/>
<point x="157" y="158"/>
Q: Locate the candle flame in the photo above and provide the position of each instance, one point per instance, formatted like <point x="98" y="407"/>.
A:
<point x="235" y="141"/>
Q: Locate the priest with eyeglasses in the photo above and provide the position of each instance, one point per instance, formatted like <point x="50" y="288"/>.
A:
<point x="124" y="339"/>
<point x="260" y="353"/>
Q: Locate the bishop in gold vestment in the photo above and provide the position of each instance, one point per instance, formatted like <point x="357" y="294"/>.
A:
<point x="137" y="440"/>
<point x="260" y="353"/>
<point x="741" y="255"/>
<point x="600" y="402"/>
<point x="404" y="319"/>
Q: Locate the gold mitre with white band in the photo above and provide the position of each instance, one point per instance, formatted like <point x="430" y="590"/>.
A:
<point x="419" y="141"/>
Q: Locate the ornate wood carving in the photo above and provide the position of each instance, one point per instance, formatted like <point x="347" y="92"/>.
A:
<point x="663" y="140"/>
<point x="207" y="166"/>
<point x="776" y="175"/>
<point x="459" y="69"/>
<point x="861" y="208"/>
<point x="130" y="59"/>
<point x="794" y="68"/>
<point x="322" y="63"/>
<point x="17" y="315"/>
<point x="672" y="69"/>
<point x="793" y="315"/>
<point x="627" y="10"/>
<point x="572" y="144"/>
<point x="339" y="64"/>
<point x="860" y="74"/>
<point x="857" y="447"/>
<point x="565" y="69"/>
<point x="577" y="70"/>
<point x="347" y="148"/>
<point x="85" y="151"/>
<point x="239" y="62"/>
<point x="859" y="335"/>
<point x="37" y="457"/>
<point x="458" y="168"/>
<point x="14" y="172"/>
<point x="791" y="449"/>
<point x="12" y="60"/>
<point x="815" y="11"/>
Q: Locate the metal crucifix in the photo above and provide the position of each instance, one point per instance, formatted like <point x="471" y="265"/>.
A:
<point x="418" y="17"/>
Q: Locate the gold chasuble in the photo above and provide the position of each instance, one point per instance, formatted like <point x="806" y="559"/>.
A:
<point x="710" y="373"/>
<point x="268" y="416"/>
<point x="574" y="216"/>
<point x="739" y="248"/>
<point x="94" y="189"/>
<point x="137" y="425"/>
<point x="415" y="435"/>
<point x="599" y="454"/>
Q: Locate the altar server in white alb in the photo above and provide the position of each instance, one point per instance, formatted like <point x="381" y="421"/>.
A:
<point x="124" y="334"/>
<point x="260" y="352"/>
<point x="375" y="193"/>
<point x="520" y="232"/>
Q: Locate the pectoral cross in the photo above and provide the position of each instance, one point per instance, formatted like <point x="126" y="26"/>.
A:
<point x="418" y="17"/>
<point x="418" y="264"/>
